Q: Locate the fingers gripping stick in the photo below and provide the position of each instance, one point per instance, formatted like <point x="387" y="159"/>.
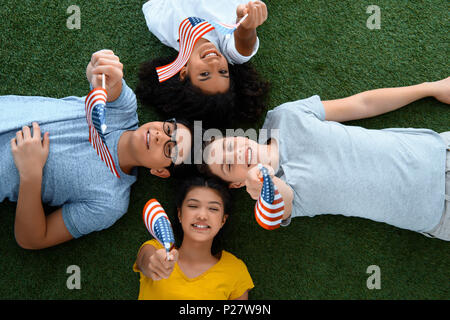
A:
<point x="269" y="208"/>
<point x="158" y="224"/>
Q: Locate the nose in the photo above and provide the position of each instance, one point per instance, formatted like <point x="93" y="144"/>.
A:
<point x="239" y="151"/>
<point x="230" y="154"/>
<point x="159" y="137"/>
<point x="202" y="214"/>
<point x="213" y="61"/>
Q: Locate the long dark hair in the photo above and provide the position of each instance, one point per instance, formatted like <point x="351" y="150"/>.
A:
<point x="244" y="101"/>
<point x="186" y="185"/>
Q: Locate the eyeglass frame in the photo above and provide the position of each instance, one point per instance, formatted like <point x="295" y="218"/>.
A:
<point x="172" y="139"/>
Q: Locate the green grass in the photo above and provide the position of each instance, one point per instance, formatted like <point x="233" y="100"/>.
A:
<point x="307" y="47"/>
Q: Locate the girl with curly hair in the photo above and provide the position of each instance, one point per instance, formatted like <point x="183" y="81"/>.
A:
<point x="217" y="80"/>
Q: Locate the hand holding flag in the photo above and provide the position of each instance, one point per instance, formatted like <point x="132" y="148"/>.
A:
<point x="269" y="208"/>
<point x="158" y="224"/>
<point x="95" y="116"/>
<point x="256" y="11"/>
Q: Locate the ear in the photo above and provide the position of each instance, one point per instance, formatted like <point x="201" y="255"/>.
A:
<point x="235" y="185"/>
<point x="179" y="214"/>
<point x="224" y="219"/>
<point x="162" y="173"/>
<point x="183" y="73"/>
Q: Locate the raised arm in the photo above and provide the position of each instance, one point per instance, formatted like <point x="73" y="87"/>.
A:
<point x="107" y="63"/>
<point x="245" y="35"/>
<point x="153" y="264"/>
<point x="253" y="184"/>
<point x="287" y="194"/>
<point x="375" y="102"/>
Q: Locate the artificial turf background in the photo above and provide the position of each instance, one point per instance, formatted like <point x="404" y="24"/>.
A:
<point x="307" y="47"/>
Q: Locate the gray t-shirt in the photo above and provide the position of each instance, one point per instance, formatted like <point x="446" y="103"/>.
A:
<point x="74" y="176"/>
<point x="396" y="176"/>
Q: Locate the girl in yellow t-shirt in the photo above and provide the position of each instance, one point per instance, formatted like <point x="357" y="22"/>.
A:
<point x="196" y="270"/>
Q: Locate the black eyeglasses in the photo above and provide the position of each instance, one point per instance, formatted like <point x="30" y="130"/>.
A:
<point x="170" y="147"/>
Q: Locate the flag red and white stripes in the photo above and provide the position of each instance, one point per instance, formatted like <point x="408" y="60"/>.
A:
<point x="95" y="101"/>
<point x="269" y="208"/>
<point x="191" y="29"/>
<point x="158" y="224"/>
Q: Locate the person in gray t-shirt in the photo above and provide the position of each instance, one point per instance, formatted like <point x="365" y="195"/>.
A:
<point x="63" y="170"/>
<point x="396" y="176"/>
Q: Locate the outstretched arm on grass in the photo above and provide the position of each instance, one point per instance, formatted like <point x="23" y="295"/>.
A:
<point x="375" y="102"/>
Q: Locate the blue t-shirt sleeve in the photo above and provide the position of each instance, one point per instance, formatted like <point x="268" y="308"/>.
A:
<point x="81" y="218"/>
<point x="126" y="100"/>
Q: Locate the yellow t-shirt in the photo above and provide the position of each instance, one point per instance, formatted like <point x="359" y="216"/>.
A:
<point x="228" y="279"/>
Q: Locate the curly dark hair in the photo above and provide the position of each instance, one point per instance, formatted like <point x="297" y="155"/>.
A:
<point x="244" y="101"/>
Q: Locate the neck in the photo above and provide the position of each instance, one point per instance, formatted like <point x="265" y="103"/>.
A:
<point x="126" y="162"/>
<point x="269" y="153"/>
<point x="194" y="251"/>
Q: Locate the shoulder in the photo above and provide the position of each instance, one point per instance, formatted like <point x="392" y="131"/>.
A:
<point x="295" y="113"/>
<point x="237" y="274"/>
<point x="232" y="262"/>
<point x="308" y="105"/>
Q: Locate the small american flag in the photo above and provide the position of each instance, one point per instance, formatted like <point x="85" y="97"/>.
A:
<point x="269" y="208"/>
<point x="191" y="29"/>
<point x="158" y="224"/>
<point x="225" y="28"/>
<point x="95" y="116"/>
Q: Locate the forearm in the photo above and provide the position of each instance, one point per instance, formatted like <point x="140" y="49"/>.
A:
<point x="380" y="101"/>
<point x="114" y="92"/>
<point x="244" y="40"/>
<point x="30" y="222"/>
<point x="375" y="102"/>
<point x="288" y="196"/>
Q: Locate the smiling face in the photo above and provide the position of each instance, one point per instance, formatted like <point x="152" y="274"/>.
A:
<point x="207" y="68"/>
<point x="202" y="214"/>
<point x="151" y="145"/>
<point x="231" y="158"/>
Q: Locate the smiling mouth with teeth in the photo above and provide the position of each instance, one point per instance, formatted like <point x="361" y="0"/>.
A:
<point x="148" y="139"/>
<point x="200" y="226"/>
<point x="210" y="53"/>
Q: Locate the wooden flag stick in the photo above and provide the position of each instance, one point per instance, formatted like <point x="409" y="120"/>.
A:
<point x="103" y="81"/>
<point x="243" y="18"/>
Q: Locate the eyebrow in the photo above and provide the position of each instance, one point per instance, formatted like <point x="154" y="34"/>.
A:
<point x="223" y="159"/>
<point x="209" y="202"/>
<point x="207" y="78"/>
